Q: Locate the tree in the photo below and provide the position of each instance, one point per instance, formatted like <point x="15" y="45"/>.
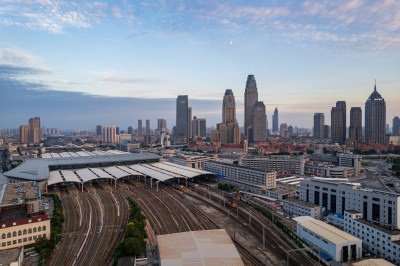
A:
<point x="133" y="246"/>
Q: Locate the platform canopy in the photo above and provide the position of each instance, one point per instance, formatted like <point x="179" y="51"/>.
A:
<point x="86" y="175"/>
<point x="129" y="170"/>
<point x="62" y="176"/>
<point x="99" y="173"/>
<point x="116" y="172"/>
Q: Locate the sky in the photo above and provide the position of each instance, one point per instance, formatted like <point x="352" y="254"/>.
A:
<point x="77" y="64"/>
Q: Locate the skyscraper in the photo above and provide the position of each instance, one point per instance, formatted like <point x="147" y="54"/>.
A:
<point x="375" y="119"/>
<point x="199" y="127"/>
<point x="24" y="134"/>
<point x="284" y="130"/>
<point x="396" y="125"/>
<point x="130" y="130"/>
<point x="319" y="123"/>
<point x="290" y="129"/>
<point x="140" y="128"/>
<point x="35" y="130"/>
<point x="327" y="131"/>
<point x="182" y="116"/>
<point x="229" y="129"/>
<point x="259" y="122"/>
<point x="355" y="129"/>
<point x="98" y="130"/>
<point x="161" y="125"/>
<point x="189" y="123"/>
<point x="147" y="127"/>
<point x="250" y="98"/>
<point x="338" y="123"/>
<point x="275" y="121"/>
<point x="109" y="134"/>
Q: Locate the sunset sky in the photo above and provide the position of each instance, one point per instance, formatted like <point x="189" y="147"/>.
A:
<point x="81" y="63"/>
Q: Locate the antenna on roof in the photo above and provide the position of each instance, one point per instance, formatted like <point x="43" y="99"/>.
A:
<point x="375" y="85"/>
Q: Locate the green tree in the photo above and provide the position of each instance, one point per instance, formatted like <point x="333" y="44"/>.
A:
<point x="133" y="246"/>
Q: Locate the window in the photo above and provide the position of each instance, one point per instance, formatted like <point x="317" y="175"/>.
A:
<point x="19" y="232"/>
<point x="30" y="238"/>
<point x="14" y="242"/>
<point x="3" y="236"/>
<point x="34" y="230"/>
<point x="25" y="232"/>
<point x="14" y="234"/>
<point x="9" y="235"/>
<point x="30" y="231"/>
<point x="39" y="229"/>
<point x="25" y="239"/>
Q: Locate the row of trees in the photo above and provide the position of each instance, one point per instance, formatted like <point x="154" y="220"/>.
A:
<point x="396" y="166"/>
<point x="226" y="187"/>
<point x="134" y="236"/>
<point x="43" y="246"/>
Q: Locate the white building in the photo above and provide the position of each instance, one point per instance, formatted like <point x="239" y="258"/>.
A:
<point x="290" y="165"/>
<point x="280" y="193"/>
<point x="125" y="137"/>
<point x="301" y="208"/>
<point x="267" y="179"/>
<point x="377" y="206"/>
<point x="351" y="160"/>
<point x="383" y="242"/>
<point x="328" y="170"/>
<point x="338" y="245"/>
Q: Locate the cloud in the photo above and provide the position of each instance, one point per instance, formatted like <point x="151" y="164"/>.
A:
<point x="109" y="78"/>
<point x="11" y="71"/>
<point x="11" y="55"/>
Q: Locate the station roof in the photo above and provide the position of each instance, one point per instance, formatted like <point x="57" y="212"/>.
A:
<point x="87" y="175"/>
<point x="38" y="169"/>
<point x="160" y="176"/>
<point x="329" y="232"/>
<point x="129" y="170"/>
<point x="206" y="247"/>
<point x="116" y="172"/>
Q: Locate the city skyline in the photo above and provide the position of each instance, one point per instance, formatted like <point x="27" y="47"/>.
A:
<point x="304" y="56"/>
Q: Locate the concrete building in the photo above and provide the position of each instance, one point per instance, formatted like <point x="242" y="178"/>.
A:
<point x="338" y="123"/>
<point x="130" y="130"/>
<point x="147" y="132"/>
<point x="250" y="98"/>
<point x="24" y="134"/>
<point x="182" y="115"/>
<point x="127" y="147"/>
<point x="301" y="208"/>
<point x="109" y="134"/>
<point x="375" y="119"/>
<point x="259" y="122"/>
<point x="327" y="132"/>
<point x="380" y="207"/>
<point x="396" y="126"/>
<point x="351" y="160"/>
<point x="189" y="122"/>
<point x="355" y="129"/>
<point x="295" y="166"/>
<point x="99" y="130"/>
<point x="229" y="130"/>
<point x="275" y="120"/>
<point x="284" y="130"/>
<point x="124" y="137"/>
<point x="376" y="239"/>
<point x="140" y="128"/>
<point x="192" y="161"/>
<point x="280" y="193"/>
<point x="161" y="125"/>
<point x="319" y="123"/>
<point x="335" y="243"/>
<point x="331" y="171"/>
<point x="199" y="127"/>
<point x="267" y="179"/>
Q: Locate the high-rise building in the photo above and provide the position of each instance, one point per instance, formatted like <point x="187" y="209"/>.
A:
<point x="275" y="121"/>
<point x="161" y="125"/>
<point x="327" y="131"/>
<point x="375" y="119"/>
<point x="24" y="134"/>
<point x="250" y="98"/>
<point x="109" y="134"/>
<point x="140" y="128"/>
<point x="319" y="123"/>
<point x="130" y="130"/>
<point x="355" y="129"/>
<point x="117" y="130"/>
<point x="35" y="130"/>
<point x="182" y="115"/>
<point x="396" y="126"/>
<point x="199" y="127"/>
<point x="189" y="123"/>
<point x="259" y="122"/>
<point x="147" y="127"/>
<point x="338" y="123"/>
<point x="284" y="130"/>
<point x="229" y="130"/>
<point x="98" y="130"/>
<point x="290" y="129"/>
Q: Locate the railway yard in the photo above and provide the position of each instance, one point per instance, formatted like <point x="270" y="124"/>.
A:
<point x="96" y="219"/>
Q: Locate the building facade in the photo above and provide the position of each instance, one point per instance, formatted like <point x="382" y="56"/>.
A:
<point x="355" y="129"/>
<point x="98" y="130"/>
<point x="319" y="123"/>
<point x="182" y="115"/>
<point x="161" y="125"/>
<point x="229" y="131"/>
<point x="396" y="126"/>
<point x="351" y="160"/>
<point x="140" y="128"/>
<point x="109" y="134"/>
<point x="24" y="134"/>
<point x="259" y="122"/>
<point x="301" y="208"/>
<point x="295" y="166"/>
<point x="375" y="119"/>
<point x="250" y="98"/>
<point x="275" y="121"/>
<point x="338" y="123"/>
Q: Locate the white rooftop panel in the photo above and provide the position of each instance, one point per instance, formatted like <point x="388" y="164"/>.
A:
<point x="150" y="172"/>
<point x="100" y="173"/>
<point x="86" y="175"/>
<point x="175" y="170"/>
<point x="129" y="170"/>
<point x="54" y="178"/>
<point x="55" y="155"/>
<point x="286" y="178"/>
<point x="82" y="153"/>
<point x="116" y="172"/>
<point x="201" y="172"/>
<point x="73" y="154"/>
<point x="91" y="153"/>
<point x="294" y="183"/>
<point x="46" y="155"/>
<point x="290" y="180"/>
<point x="116" y="152"/>
<point x="70" y="176"/>
<point x="65" y="155"/>
<point x="163" y="171"/>
<point x="99" y="153"/>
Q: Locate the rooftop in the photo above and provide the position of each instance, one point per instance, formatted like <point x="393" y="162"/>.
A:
<point x="17" y="193"/>
<point x="8" y="256"/>
<point x="329" y="232"/>
<point x="373" y="262"/>
<point x="376" y="226"/>
<point x="207" y="247"/>
<point x="39" y="169"/>
<point x="303" y="203"/>
<point x="241" y="167"/>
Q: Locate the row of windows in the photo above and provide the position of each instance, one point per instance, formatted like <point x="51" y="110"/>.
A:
<point x="24" y="232"/>
<point x="19" y="241"/>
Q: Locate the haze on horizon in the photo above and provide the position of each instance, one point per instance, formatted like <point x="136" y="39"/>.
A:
<point x="81" y="63"/>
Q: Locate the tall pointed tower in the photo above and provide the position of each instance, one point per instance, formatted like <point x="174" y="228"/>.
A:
<point x="375" y="119"/>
